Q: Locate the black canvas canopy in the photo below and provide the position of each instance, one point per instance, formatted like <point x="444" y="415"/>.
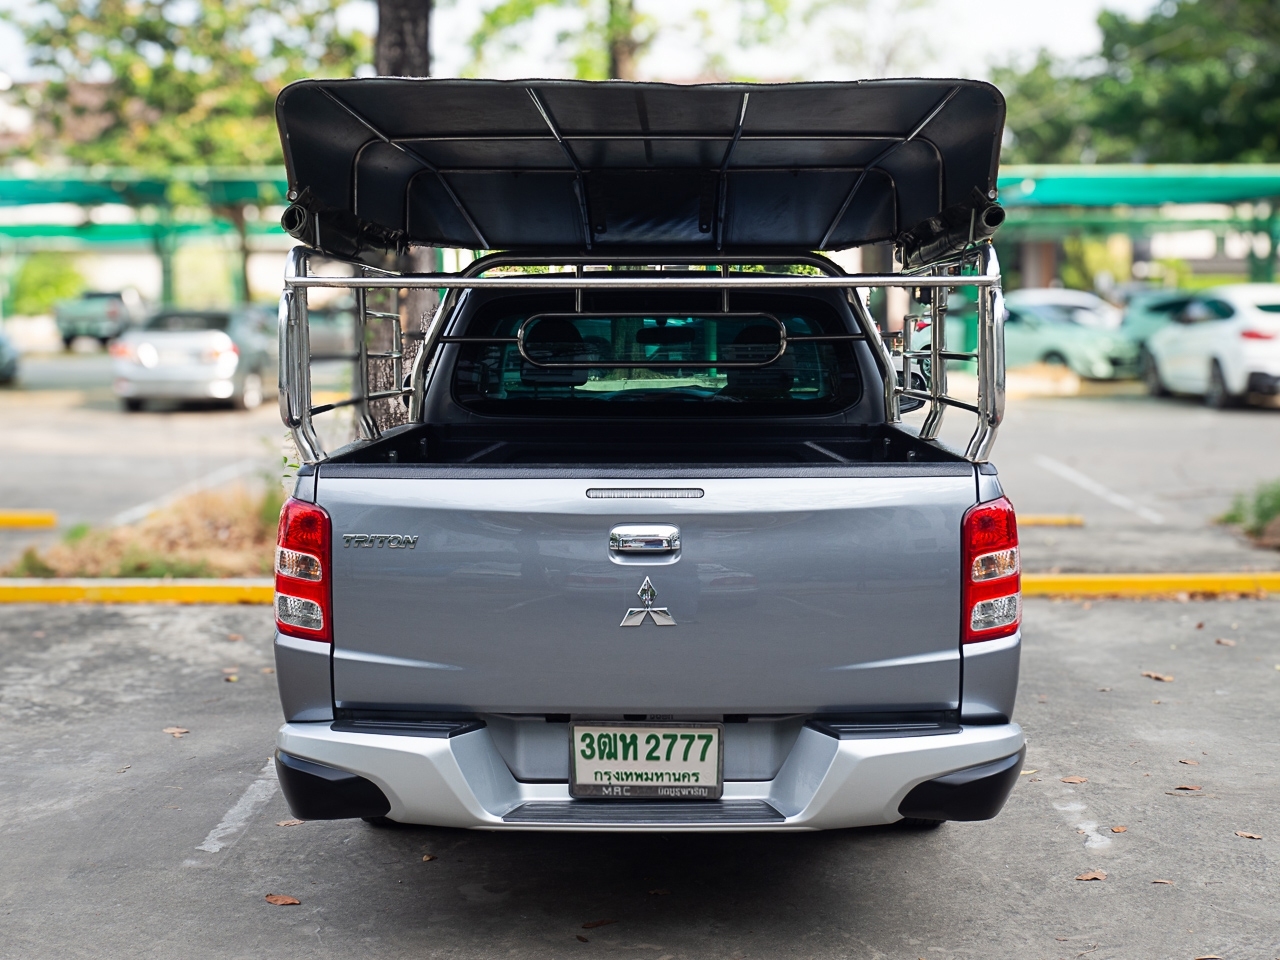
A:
<point x="381" y="162"/>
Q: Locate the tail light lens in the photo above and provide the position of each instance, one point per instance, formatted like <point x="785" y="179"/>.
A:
<point x="122" y="351"/>
<point x="1257" y="335"/>
<point x="303" y="557"/>
<point x="992" y="591"/>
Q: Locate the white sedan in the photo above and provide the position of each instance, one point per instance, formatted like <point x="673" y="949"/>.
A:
<point x="1224" y="346"/>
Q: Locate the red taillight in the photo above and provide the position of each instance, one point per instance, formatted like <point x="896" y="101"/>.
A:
<point x="991" y="573"/>
<point x="1257" y="335"/>
<point x="303" y="554"/>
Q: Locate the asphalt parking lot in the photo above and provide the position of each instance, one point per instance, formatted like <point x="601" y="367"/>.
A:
<point x="119" y="840"/>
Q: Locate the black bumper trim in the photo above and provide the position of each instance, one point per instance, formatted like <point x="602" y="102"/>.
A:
<point x="976" y="793"/>
<point x="434" y="729"/>
<point x="319" y="792"/>
<point x="1263" y="383"/>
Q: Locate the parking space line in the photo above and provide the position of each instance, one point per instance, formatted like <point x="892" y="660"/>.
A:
<point x="237" y="818"/>
<point x="214" y="479"/>
<point x="1071" y="475"/>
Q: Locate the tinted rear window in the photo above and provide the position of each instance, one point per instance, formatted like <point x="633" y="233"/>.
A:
<point x="679" y="352"/>
<point x="188" y="322"/>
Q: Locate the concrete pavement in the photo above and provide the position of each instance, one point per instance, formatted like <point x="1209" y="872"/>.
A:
<point x="102" y="815"/>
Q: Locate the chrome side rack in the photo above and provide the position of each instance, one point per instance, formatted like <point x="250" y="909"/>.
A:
<point x="910" y="372"/>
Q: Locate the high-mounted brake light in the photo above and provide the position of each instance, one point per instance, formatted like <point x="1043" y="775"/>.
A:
<point x="303" y="555"/>
<point x="992" y="590"/>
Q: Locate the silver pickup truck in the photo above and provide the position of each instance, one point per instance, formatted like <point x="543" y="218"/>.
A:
<point x="627" y="531"/>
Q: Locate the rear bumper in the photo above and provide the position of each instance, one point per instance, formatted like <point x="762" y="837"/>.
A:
<point x="1267" y="384"/>
<point x="188" y="388"/>
<point x="460" y="780"/>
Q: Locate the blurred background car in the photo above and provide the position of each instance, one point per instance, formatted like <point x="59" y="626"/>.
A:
<point x="101" y="315"/>
<point x="8" y="360"/>
<point x="189" y="355"/>
<point x="1224" y="346"/>
<point x="1049" y="333"/>
<point x="1077" y="306"/>
<point x="1150" y="310"/>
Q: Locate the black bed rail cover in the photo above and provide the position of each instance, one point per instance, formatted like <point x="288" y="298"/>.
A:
<point x="377" y="163"/>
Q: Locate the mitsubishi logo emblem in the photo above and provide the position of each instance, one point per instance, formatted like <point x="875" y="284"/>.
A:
<point x="635" y="616"/>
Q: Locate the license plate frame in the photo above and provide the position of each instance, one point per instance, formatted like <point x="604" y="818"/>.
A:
<point x="676" y="778"/>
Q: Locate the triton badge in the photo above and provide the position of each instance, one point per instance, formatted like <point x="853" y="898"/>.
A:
<point x="393" y="540"/>
<point x="635" y="616"/>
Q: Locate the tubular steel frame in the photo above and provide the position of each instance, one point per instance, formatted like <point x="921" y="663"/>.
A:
<point x="975" y="267"/>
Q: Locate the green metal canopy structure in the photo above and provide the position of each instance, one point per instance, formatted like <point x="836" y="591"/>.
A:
<point x="1135" y="185"/>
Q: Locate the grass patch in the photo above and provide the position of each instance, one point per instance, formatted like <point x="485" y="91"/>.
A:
<point x="1258" y="513"/>
<point x="216" y="533"/>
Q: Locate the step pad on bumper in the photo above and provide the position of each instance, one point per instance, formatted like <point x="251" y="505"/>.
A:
<point x="619" y="812"/>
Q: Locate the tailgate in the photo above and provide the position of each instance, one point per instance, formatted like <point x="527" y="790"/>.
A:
<point x="793" y="595"/>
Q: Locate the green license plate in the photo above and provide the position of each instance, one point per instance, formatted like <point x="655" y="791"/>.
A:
<point x="674" y="761"/>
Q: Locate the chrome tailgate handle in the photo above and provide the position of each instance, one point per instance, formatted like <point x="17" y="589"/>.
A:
<point x="644" y="538"/>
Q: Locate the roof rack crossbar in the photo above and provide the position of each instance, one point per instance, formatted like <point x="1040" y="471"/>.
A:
<point x="880" y="158"/>
<point x="722" y="186"/>
<point x="413" y="154"/>
<point x="579" y="181"/>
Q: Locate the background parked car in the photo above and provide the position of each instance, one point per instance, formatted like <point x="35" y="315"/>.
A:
<point x="1224" y="346"/>
<point x="1079" y="306"/>
<point x="1049" y="333"/>
<point x="8" y="360"/>
<point x="101" y="315"/>
<point x="197" y="355"/>
<point x="1151" y="310"/>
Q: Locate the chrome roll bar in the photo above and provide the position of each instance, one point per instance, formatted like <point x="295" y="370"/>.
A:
<point x="976" y="267"/>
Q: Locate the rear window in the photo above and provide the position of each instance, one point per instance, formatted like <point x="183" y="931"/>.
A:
<point x="690" y="360"/>
<point x="188" y="322"/>
<point x="1269" y="307"/>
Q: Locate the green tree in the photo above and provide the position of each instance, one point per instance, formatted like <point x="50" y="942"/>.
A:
<point x="612" y="36"/>
<point x="153" y="84"/>
<point x="1196" y="81"/>
<point x="43" y="280"/>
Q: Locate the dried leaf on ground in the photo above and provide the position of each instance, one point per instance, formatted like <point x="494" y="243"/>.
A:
<point x="124" y="768"/>
<point x="1188" y="786"/>
<point x="289" y="823"/>
<point x="1119" y="829"/>
<point x="1093" y="875"/>
<point x="235" y="637"/>
<point x="1209" y="956"/>
<point x="1162" y="677"/>
<point x="1224" y="642"/>
<point x="268" y="669"/>
<point x="1248" y="836"/>
<point x="231" y="679"/>
<point x="1075" y="779"/>
<point x="592" y="924"/>
<point x="1190" y="763"/>
<point x="428" y="857"/>
<point x="1104" y="689"/>
<point x="230" y="669"/>
<point x="659" y="892"/>
<point x="1027" y="773"/>
<point x="176" y="732"/>
<point x="280" y="900"/>
<point x="1167" y="882"/>
<point x="581" y="938"/>
<point x="1199" y="626"/>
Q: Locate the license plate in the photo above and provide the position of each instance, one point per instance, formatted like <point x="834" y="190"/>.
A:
<point x="677" y="761"/>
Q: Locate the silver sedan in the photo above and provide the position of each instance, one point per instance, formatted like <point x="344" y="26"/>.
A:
<point x="190" y="355"/>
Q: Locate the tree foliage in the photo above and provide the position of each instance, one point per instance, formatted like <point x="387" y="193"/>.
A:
<point x="609" y="38"/>
<point x="1196" y="81"/>
<point x="155" y="83"/>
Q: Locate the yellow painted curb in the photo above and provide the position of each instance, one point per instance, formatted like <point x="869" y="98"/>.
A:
<point x="24" y="519"/>
<point x="1147" y="584"/>
<point x="1050" y="520"/>
<point x="261" y="592"/>
<point x="136" y="591"/>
